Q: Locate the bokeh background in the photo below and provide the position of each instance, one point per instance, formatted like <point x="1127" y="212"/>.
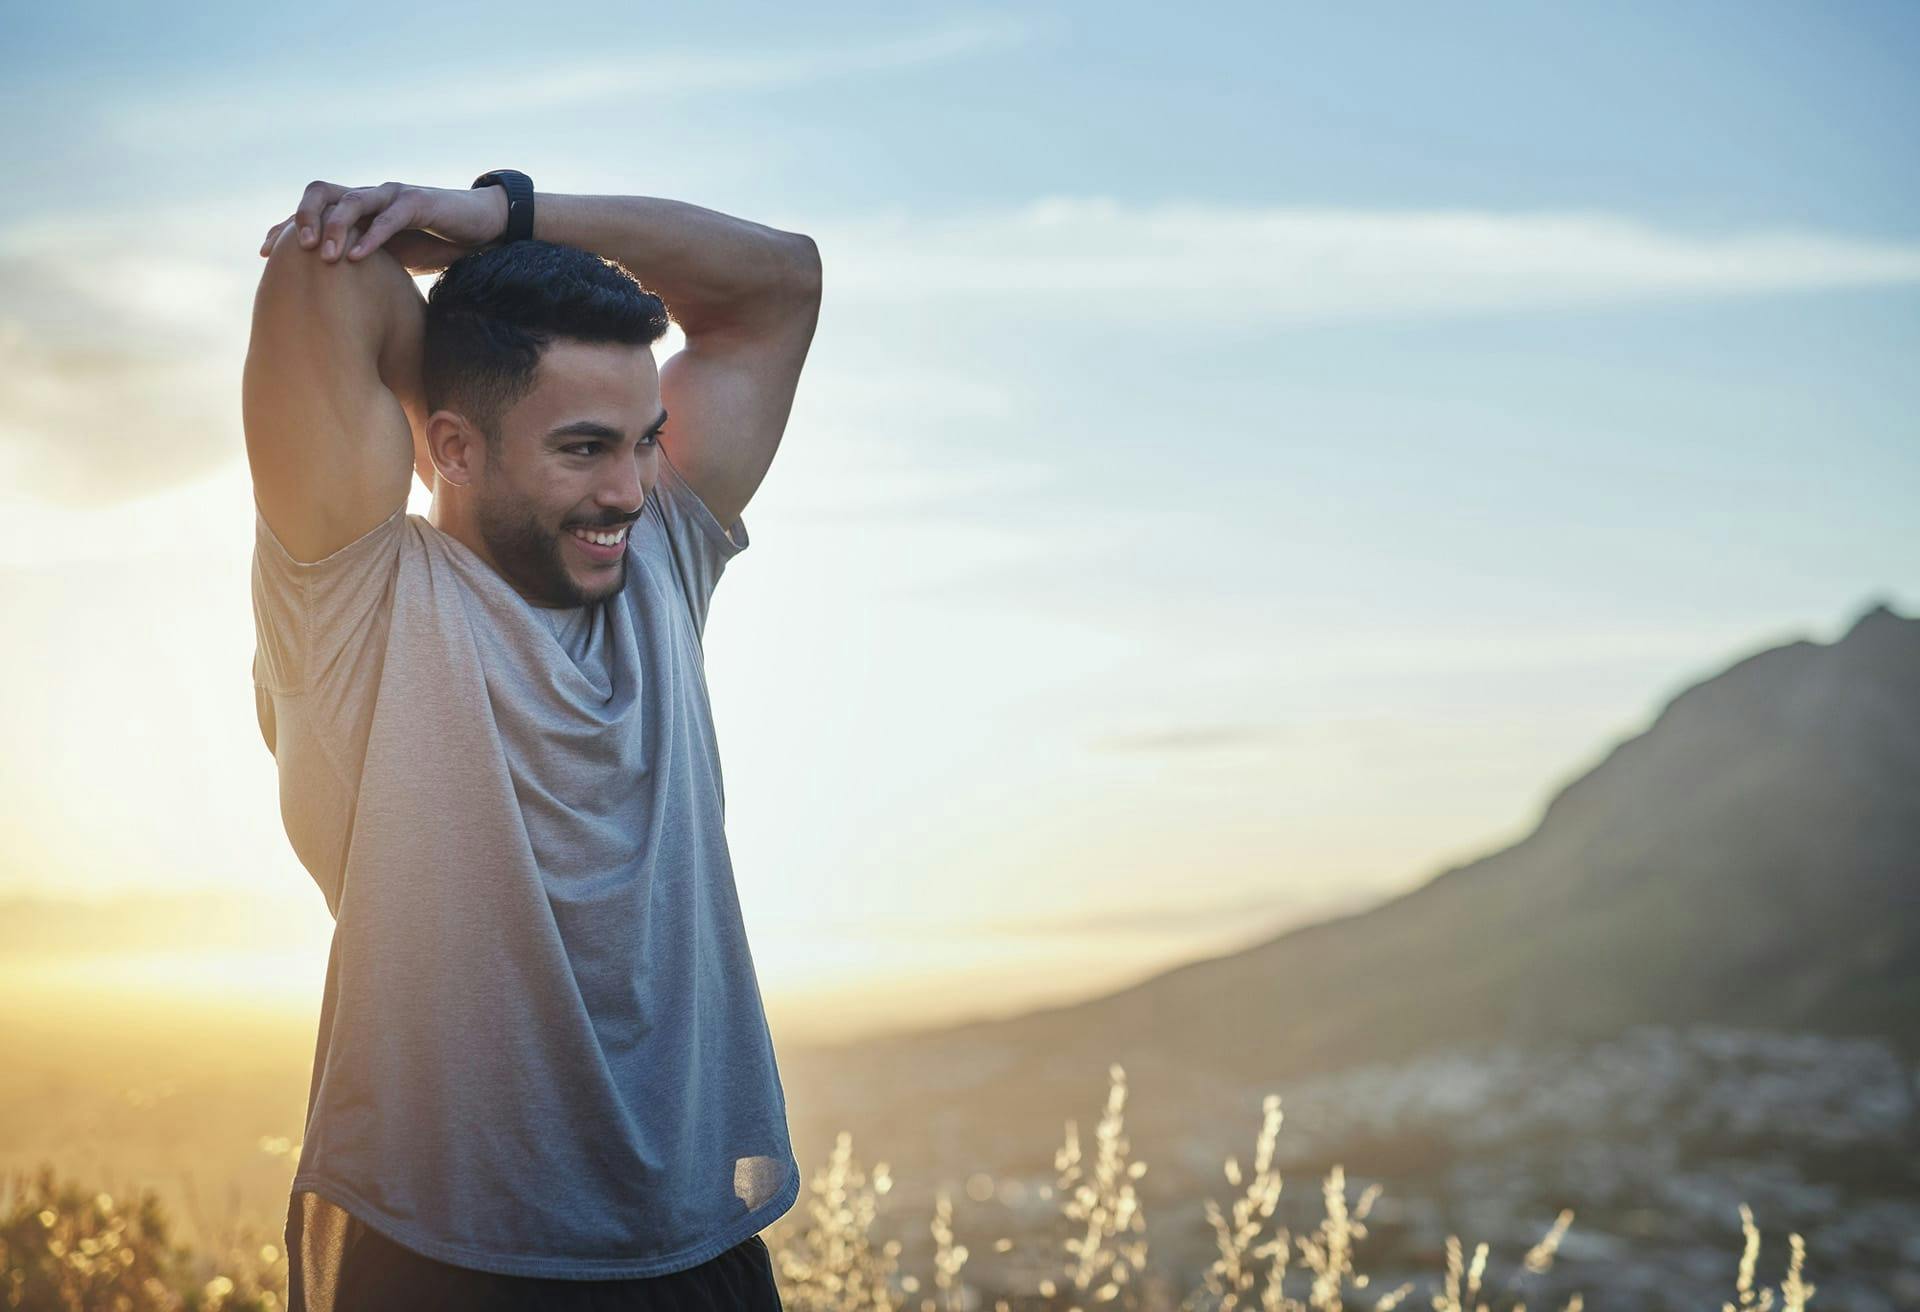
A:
<point x="1251" y="460"/>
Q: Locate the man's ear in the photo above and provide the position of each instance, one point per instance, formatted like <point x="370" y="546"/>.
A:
<point x="454" y="448"/>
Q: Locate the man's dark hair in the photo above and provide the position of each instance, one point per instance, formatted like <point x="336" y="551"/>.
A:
<point x="490" y="315"/>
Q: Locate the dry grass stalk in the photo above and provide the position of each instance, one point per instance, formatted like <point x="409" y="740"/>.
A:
<point x="948" y="1259"/>
<point x="1328" y="1252"/>
<point x="1105" y="1207"/>
<point x="1794" y="1292"/>
<point x="65" y="1247"/>
<point x="831" y="1267"/>
<point x="1104" y="1261"/>
<point x="1225" y="1283"/>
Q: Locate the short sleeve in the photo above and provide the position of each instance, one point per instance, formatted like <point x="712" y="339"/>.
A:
<point x="313" y="617"/>
<point x="699" y="545"/>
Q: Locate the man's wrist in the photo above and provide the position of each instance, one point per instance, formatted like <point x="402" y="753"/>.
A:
<point x="496" y="198"/>
<point x="516" y="199"/>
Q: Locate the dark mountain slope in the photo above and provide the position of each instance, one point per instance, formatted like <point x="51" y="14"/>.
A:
<point x="1752" y="858"/>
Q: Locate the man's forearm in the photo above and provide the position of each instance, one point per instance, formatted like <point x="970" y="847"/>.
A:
<point x="710" y="268"/>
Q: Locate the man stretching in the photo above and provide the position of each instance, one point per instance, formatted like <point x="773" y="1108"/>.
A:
<point x="543" y="1075"/>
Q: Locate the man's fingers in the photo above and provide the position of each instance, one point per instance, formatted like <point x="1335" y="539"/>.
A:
<point x="348" y="208"/>
<point x="313" y="203"/>
<point x="334" y="223"/>
<point x="273" y="234"/>
<point x="333" y="218"/>
<point x="396" y="217"/>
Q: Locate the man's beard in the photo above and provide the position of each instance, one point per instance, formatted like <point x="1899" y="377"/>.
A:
<point x="530" y="555"/>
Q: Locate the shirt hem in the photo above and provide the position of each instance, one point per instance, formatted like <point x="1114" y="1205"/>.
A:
<point x="558" y="1268"/>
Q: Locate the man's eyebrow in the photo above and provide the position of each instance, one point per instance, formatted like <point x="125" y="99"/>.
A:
<point x="594" y="428"/>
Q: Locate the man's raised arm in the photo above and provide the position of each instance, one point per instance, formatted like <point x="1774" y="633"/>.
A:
<point x="747" y="296"/>
<point x="332" y="370"/>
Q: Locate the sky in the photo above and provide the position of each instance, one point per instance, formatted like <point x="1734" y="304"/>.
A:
<point x="1249" y="457"/>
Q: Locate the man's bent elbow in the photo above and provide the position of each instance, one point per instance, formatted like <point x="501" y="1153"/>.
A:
<point x="806" y="260"/>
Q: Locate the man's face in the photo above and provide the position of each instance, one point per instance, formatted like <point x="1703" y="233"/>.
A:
<point x="578" y="452"/>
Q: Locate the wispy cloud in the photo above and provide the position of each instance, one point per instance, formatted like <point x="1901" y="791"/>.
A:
<point x="90" y="426"/>
<point x="257" y="109"/>
<point x="1254" y="912"/>
<point x="43" y="926"/>
<point x="119" y="362"/>
<point x="1192" y="738"/>
<point x="1302" y="264"/>
<point x="141" y="345"/>
<point x="1269" y="911"/>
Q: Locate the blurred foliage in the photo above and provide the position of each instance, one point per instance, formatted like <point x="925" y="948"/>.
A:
<point x="64" y="1248"/>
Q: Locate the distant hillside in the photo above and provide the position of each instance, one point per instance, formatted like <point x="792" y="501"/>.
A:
<point x="1751" y="859"/>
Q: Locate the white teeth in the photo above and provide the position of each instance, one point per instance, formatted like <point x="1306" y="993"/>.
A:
<point x="603" y="539"/>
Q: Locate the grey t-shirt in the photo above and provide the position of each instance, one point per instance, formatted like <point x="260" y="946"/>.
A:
<point x="542" y="1049"/>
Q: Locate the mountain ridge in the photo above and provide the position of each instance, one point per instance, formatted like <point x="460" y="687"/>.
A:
<point x="1749" y="858"/>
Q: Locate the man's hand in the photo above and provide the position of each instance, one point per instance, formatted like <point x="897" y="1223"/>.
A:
<point x="425" y="228"/>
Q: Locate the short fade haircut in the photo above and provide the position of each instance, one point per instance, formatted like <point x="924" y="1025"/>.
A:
<point x="491" y="314"/>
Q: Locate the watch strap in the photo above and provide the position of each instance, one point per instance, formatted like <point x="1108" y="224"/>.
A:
<point x="519" y="188"/>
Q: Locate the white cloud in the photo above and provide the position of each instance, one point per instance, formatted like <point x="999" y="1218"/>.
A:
<point x="1299" y="264"/>
<point x="122" y="358"/>
<point x="85" y="428"/>
<point x="119" y="360"/>
<point x="257" y="110"/>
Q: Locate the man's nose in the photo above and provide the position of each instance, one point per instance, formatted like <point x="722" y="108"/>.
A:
<point x="623" y="491"/>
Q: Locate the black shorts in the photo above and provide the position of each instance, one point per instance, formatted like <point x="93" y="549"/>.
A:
<point x="380" y="1275"/>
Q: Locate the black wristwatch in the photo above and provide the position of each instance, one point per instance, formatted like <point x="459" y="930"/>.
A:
<point x="519" y="202"/>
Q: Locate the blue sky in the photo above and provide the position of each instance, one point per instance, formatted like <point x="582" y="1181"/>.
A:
<point x="1249" y="456"/>
<point x="1709" y="115"/>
